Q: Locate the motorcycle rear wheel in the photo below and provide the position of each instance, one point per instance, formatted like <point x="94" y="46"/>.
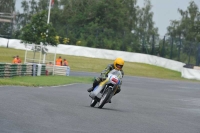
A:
<point x="104" y="98"/>
<point x="93" y="103"/>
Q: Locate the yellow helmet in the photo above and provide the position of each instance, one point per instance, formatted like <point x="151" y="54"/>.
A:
<point x="118" y="63"/>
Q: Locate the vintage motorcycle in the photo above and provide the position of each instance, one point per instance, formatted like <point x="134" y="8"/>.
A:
<point x="106" y="89"/>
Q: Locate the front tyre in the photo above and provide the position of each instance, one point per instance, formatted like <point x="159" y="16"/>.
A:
<point x="93" y="103"/>
<point x="105" y="98"/>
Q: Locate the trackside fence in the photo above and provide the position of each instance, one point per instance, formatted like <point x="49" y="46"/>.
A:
<point x="8" y="70"/>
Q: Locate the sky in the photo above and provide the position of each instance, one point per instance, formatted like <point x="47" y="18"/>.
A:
<point x="164" y="11"/>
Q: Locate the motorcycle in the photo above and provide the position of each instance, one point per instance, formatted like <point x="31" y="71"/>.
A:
<point x="106" y="89"/>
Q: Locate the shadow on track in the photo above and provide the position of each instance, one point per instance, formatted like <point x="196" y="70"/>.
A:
<point x="109" y="109"/>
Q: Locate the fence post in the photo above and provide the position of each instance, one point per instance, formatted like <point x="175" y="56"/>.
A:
<point x="143" y="44"/>
<point x="172" y="43"/>
<point x="190" y="49"/>
<point x="179" y="48"/>
<point x="163" y="48"/>
<point x="7" y="42"/>
<point x="68" y="71"/>
<point x="34" y="69"/>
<point x="153" y="45"/>
<point x="198" y="56"/>
<point x="124" y="41"/>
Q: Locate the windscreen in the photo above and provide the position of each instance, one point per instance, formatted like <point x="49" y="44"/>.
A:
<point x="116" y="73"/>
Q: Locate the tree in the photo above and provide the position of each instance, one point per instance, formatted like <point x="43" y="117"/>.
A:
<point x="145" y="26"/>
<point x="29" y="8"/>
<point x="96" y="23"/>
<point x="39" y="31"/>
<point x="7" y="8"/>
<point x="186" y="26"/>
<point x="184" y="30"/>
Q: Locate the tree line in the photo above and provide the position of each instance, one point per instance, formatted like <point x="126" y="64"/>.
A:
<point x="116" y="24"/>
<point x="182" y="39"/>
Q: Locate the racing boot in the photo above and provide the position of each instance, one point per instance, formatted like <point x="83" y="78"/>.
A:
<point x="95" y="83"/>
<point x="90" y="89"/>
<point x="109" y="101"/>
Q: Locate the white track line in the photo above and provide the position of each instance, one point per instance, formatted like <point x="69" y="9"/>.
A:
<point x="58" y="85"/>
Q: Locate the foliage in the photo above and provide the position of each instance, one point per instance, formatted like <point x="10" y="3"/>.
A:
<point x="5" y="29"/>
<point x="182" y="38"/>
<point x="146" y="28"/>
<point x="185" y="27"/>
<point x="7" y="7"/>
<point x="39" y="31"/>
<point x="118" y="24"/>
<point x="100" y="24"/>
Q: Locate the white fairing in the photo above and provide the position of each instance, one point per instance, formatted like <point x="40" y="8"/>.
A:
<point x="96" y="91"/>
<point x="113" y="78"/>
<point x="116" y="75"/>
<point x="112" y="74"/>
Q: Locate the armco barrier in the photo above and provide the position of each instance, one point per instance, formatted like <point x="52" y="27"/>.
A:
<point x="2" y="68"/>
<point x="43" y="70"/>
<point x="191" y="72"/>
<point x="11" y="70"/>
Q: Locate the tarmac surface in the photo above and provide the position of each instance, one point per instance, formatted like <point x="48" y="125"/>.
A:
<point x="145" y="105"/>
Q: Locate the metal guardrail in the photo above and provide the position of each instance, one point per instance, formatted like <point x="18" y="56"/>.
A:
<point x="11" y="70"/>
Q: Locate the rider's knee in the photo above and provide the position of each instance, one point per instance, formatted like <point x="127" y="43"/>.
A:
<point x="96" y="82"/>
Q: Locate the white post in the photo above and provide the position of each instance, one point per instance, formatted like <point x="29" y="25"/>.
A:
<point x="40" y="52"/>
<point x="25" y="54"/>
<point x="54" y="60"/>
<point x="49" y="12"/>
<point x="44" y="57"/>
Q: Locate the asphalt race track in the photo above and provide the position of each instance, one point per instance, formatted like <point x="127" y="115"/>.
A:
<point x="145" y="105"/>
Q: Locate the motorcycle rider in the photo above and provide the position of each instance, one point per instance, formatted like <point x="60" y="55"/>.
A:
<point x="118" y="64"/>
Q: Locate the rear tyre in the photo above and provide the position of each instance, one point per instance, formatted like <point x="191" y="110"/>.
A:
<point x="93" y="103"/>
<point x="104" y="98"/>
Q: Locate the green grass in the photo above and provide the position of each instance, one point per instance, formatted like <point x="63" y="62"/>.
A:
<point x="44" y="80"/>
<point x="78" y="63"/>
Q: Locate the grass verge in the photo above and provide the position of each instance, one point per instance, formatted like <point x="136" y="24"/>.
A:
<point x="79" y="63"/>
<point x="44" y="80"/>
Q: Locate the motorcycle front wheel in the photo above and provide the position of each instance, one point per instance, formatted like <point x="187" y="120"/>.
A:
<point x="104" y="98"/>
<point x="93" y="103"/>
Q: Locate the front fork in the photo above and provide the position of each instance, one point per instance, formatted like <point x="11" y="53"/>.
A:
<point x="114" y="89"/>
